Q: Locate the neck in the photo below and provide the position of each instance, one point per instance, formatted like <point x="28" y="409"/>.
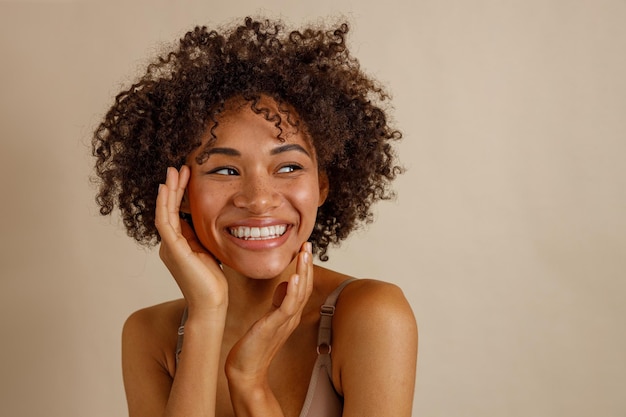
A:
<point x="252" y="297"/>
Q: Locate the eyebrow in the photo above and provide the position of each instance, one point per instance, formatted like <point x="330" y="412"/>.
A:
<point x="289" y="147"/>
<point x="275" y="151"/>
<point x="223" y="151"/>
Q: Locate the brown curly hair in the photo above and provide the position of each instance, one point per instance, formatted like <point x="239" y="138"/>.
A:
<point x="159" y="120"/>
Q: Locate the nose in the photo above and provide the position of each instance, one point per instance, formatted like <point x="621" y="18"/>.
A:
<point x="257" y="194"/>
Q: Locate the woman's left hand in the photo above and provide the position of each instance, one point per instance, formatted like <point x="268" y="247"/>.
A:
<point x="248" y="362"/>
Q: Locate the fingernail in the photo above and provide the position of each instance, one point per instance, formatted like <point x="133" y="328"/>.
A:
<point x="296" y="279"/>
<point x="309" y="247"/>
<point x="306" y="257"/>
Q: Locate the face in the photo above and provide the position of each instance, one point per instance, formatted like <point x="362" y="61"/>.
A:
<point x="254" y="200"/>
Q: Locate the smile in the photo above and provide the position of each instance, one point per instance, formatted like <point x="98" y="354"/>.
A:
<point x="258" y="233"/>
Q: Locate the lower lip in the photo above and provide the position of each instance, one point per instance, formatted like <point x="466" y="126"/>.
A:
<point x="260" y="244"/>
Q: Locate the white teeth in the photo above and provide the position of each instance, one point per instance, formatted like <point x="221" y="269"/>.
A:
<point x="258" y="233"/>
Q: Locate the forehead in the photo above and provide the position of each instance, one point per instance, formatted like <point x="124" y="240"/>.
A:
<point x="244" y="122"/>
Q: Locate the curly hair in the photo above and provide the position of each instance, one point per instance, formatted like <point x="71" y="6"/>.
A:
<point x="160" y="119"/>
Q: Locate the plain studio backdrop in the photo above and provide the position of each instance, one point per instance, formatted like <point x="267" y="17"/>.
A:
<point x="508" y="235"/>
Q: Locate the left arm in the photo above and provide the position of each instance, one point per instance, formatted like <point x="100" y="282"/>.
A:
<point x="374" y="350"/>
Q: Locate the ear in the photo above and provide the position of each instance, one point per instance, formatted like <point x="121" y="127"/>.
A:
<point x="324" y="186"/>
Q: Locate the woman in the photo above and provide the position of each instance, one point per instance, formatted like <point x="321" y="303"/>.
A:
<point x="275" y="145"/>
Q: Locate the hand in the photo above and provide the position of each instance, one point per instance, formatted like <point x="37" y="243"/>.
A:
<point x="195" y="270"/>
<point x="248" y="362"/>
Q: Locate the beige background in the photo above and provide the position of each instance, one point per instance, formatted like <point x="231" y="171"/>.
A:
<point x="508" y="236"/>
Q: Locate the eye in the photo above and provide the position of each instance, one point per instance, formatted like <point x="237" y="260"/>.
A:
<point x="224" y="171"/>
<point x="289" y="168"/>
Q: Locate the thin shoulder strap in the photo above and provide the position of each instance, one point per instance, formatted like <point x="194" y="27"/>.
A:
<point x="181" y="335"/>
<point x="327" y="311"/>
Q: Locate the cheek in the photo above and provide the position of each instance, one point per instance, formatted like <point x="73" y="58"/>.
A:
<point x="207" y="196"/>
<point x="204" y="204"/>
<point x="306" y="197"/>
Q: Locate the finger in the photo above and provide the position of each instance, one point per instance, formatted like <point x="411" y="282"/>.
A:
<point x="173" y="199"/>
<point x="295" y="299"/>
<point x="167" y="217"/>
<point x="304" y="269"/>
<point x="161" y="214"/>
<point x="310" y="270"/>
<point x="183" y="180"/>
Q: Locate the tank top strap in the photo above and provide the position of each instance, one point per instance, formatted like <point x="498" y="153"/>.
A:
<point x="327" y="311"/>
<point x="181" y="335"/>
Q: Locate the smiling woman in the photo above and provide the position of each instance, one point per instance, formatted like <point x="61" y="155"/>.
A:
<point x="276" y="145"/>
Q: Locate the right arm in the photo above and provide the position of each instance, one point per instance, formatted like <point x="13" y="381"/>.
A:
<point x="150" y="391"/>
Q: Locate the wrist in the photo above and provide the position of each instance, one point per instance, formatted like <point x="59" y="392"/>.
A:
<point x="202" y="316"/>
<point x="205" y="303"/>
<point x="206" y="308"/>
<point x="243" y="380"/>
<point x="251" y="395"/>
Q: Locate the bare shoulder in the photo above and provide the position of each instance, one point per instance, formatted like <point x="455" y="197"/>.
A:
<point x="152" y="332"/>
<point x="368" y="300"/>
<point x="155" y="320"/>
<point x="375" y="340"/>
<point x="159" y="312"/>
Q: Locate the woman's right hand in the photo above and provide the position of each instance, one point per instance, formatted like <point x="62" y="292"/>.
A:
<point x="195" y="269"/>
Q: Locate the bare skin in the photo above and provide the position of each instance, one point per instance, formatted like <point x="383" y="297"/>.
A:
<point x="250" y="338"/>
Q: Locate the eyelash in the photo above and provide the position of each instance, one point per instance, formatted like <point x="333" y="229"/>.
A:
<point x="232" y="171"/>
<point x="291" y="167"/>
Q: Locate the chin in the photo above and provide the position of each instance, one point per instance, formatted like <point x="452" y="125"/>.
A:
<point x="262" y="266"/>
